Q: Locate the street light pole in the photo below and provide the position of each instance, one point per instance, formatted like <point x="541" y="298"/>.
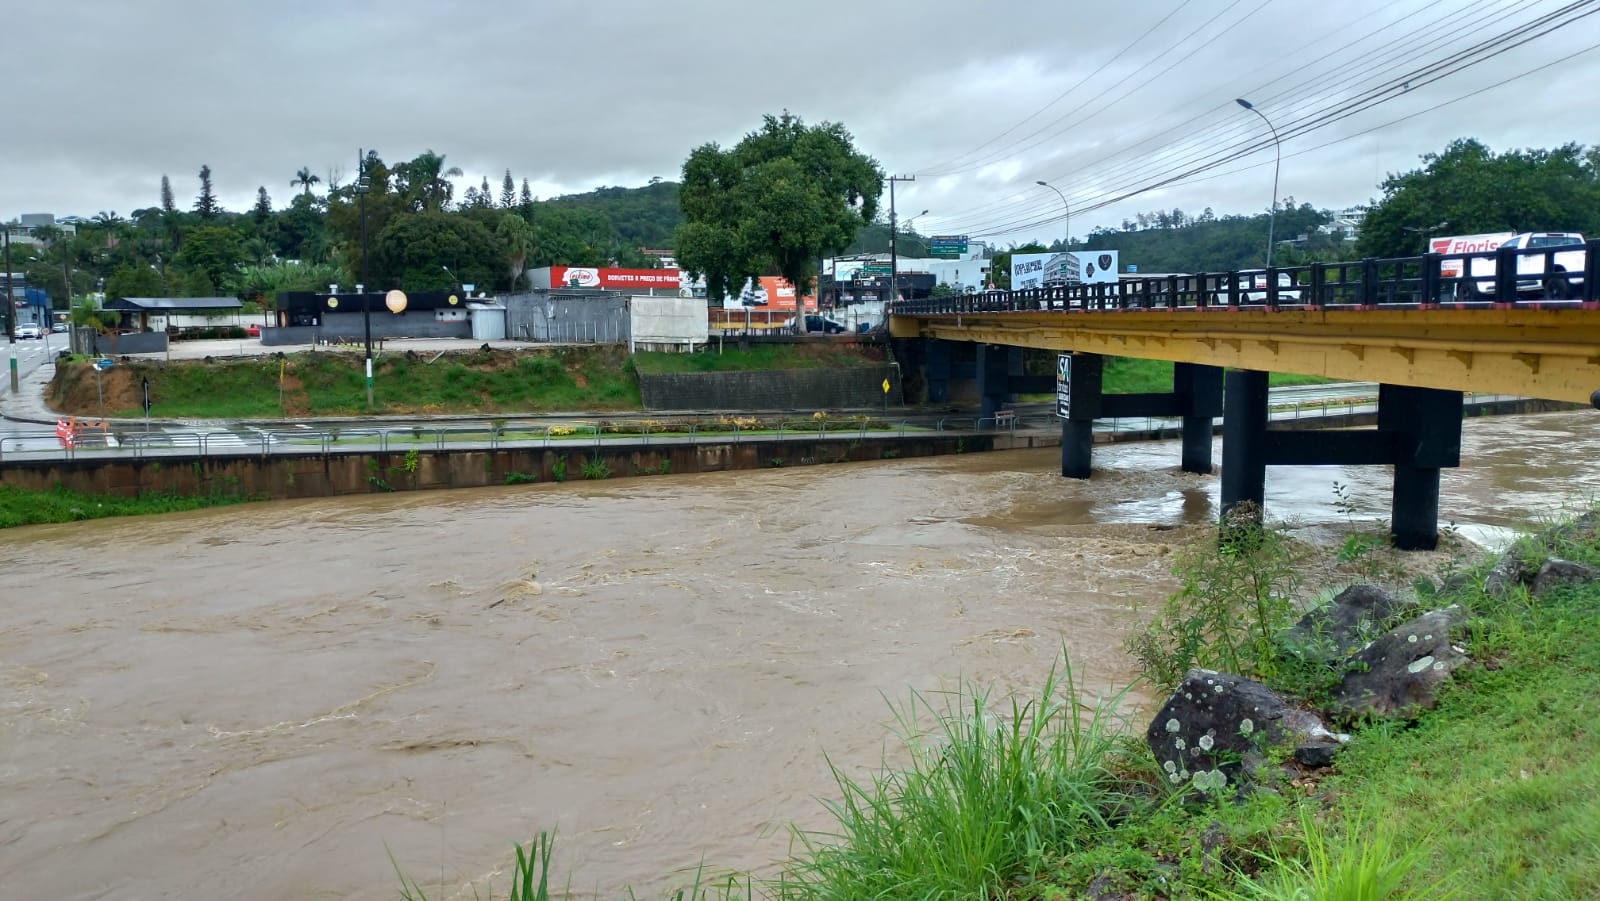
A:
<point x="1277" y="147"/>
<point x="363" y="185"/>
<point x="1065" y="205"/>
<point x="11" y="310"/>
<point x="894" y="250"/>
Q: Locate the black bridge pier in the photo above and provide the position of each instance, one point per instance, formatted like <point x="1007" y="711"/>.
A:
<point x="1419" y="433"/>
<point x="1196" y="399"/>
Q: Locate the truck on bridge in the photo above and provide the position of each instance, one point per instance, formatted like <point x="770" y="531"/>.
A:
<point x="1474" y="278"/>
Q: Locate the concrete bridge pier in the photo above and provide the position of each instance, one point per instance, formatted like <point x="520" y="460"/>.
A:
<point x="1196" y="399"/>
<point x="937" y="361"/>
<point x="1419" y="433"/>
<point x="997" y="367"/>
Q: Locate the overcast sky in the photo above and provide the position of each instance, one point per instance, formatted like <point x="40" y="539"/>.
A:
<point x="977" y="100"/>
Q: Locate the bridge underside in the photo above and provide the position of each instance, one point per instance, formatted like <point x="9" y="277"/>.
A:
<point x="1545" y="353"/>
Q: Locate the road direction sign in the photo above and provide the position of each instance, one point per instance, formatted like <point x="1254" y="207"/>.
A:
<point x="947" y="245"/>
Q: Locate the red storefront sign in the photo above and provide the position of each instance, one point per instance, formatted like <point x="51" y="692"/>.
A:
<point x="595" y="277"/>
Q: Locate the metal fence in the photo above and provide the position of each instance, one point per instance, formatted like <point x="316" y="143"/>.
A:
<point x="1507" y="276"/>
<point x="114" y="443"/>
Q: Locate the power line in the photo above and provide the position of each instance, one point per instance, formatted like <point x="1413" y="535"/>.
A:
<point x="1408" y="52"/>
<point x="1328" y="115"/>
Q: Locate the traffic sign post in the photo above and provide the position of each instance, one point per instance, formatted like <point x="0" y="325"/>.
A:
<point x="101" y="365"/>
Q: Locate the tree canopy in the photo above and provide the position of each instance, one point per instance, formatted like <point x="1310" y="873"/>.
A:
<point x="1468" y="189"/>
<point x="776" y="202"/>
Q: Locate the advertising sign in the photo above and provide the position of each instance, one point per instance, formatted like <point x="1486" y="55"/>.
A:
<point x="1465" y="244"/>
<point x="947" y="245"/>
<point x="1064" y="386"/>
<point x="595" y="277"/>
<point x="1080" y="267"/>
<point x="769" y="292"/>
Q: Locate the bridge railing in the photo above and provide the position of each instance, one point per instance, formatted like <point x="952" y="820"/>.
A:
<point x="1547" y="276"/>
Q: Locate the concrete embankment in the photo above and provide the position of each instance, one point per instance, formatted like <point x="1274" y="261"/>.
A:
<point x="318" y="474"/>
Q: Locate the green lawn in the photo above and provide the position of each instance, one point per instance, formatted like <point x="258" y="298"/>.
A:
<point x="1131" y="375"/>
<point x="26" y="507"/>
<point x="332" y="384"/>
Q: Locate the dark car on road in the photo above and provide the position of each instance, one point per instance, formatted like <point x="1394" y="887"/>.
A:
<point x="823" y="325"/>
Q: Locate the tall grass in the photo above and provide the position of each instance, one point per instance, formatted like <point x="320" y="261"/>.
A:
<point x="987" y="794"/>
<point x="530" y="875"/>
<point x="1367" y="863"/>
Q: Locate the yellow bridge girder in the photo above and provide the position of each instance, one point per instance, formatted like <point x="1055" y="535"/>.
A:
<point x="1545" y="353"/>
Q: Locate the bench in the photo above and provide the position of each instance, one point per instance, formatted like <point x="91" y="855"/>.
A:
<point x="1005" y="419"/>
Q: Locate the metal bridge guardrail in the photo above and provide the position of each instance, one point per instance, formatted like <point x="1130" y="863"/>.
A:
<point x="46" y="444"/>
<point x="1507" y="276"/>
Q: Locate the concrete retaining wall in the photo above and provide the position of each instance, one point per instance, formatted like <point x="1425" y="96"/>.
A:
<point x="787" y="389"/>
<point x="317" y="475"/>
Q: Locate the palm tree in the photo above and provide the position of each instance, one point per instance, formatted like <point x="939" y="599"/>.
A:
<point x="305" y="177"/>
<point x="426" y="180"/>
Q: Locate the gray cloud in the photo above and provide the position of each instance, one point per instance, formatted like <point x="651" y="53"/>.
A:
<point x="574" y="95"/>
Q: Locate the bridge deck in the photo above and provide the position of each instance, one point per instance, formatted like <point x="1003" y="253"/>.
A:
<point x="1546" y="353"/>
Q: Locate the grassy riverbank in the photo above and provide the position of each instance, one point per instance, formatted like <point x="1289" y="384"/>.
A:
<point x="24" y="507"/>
<point x="1494" y="794"/>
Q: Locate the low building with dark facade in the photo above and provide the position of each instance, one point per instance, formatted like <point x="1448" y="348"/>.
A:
<point x="305" y="316"/>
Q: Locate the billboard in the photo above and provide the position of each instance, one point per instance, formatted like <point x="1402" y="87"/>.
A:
<point x="1080" y="267"/>
<point x="768" y="292"/>
<point x="616" y="279"/>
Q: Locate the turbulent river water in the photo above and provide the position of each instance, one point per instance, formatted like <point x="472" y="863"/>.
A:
<point x="266" y="702"/>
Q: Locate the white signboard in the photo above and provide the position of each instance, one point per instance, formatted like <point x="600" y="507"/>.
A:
<point x="1080" y="267"/>
<point x="1064" y="386"/>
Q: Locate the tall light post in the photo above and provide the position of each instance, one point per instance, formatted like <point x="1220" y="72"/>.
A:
<point x="11" y="308"/>
<point x="362" y="186"/>
<point x="1277" y="148"/>
<point x="1066" y="206"/>
<point x="894" y="248"/>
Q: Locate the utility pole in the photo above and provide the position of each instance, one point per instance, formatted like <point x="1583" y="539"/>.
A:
<point x="11" y="310"/>
<point x="894" y="250"/>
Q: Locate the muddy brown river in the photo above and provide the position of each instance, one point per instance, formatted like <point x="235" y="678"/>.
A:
<point x="265" y="702"/>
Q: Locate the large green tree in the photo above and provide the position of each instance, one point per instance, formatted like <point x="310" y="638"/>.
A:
<point x="413" y="251"/>
<point x="1469" y="189"/>
<point x="783" y="197"/>
<point x="215" y="251"/>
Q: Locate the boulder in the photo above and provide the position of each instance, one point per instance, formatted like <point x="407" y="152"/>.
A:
<point x="1396" y="675"/>
<point x="1345" y="623"/>
<point x="1212" y="730"/>
<point x="1557" y="572"/>
<point x="1509" y="573"/>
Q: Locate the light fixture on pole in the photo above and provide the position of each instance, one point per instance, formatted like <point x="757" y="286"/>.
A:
<point x="912" y="231"/>
<point x="1277" y="148"/>
<point x="1067" y="223"/>
<point x="362" y="186"/>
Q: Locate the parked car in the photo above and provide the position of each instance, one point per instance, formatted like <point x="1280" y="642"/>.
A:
<point x="28" y="331"/>
<point x="815" y="323"/>
<point x="58" y="327"/>
<point x="1565" y="250"/>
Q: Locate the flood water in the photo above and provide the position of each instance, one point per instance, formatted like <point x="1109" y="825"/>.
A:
<point x="265" y="702"/>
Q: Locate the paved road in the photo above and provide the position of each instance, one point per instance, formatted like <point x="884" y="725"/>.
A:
<point x="29" y="353"/>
